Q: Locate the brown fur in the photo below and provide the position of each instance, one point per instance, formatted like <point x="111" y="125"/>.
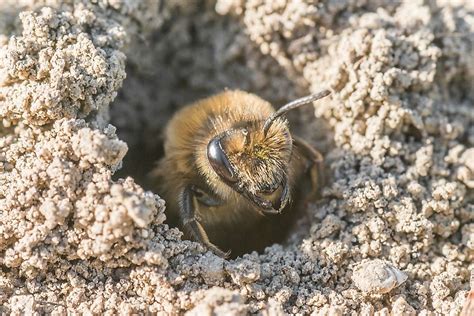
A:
<point x="235" y="224"/>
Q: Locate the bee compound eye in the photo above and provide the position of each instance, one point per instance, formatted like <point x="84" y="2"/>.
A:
<point x="219" y="161"/>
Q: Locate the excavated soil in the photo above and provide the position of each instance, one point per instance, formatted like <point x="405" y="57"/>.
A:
<point x="86" y="88"/>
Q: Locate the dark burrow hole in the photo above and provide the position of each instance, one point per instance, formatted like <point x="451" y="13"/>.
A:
<point x="142" y="158"/>
<point x="153" y="92"/>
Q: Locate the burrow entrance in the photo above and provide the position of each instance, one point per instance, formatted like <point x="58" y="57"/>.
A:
<point x="188" y="58"/>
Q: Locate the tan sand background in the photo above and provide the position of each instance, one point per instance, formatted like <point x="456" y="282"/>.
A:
<point x="394" y="233"/>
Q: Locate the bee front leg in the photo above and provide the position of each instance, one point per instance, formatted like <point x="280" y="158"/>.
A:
<point x="191" y="221"/>
<point x="316" y="166"/>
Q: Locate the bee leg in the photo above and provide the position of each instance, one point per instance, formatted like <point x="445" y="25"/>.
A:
<point x="191" y="221"/>
<point x="316" y="166"/>
<point x="205" y="198"/>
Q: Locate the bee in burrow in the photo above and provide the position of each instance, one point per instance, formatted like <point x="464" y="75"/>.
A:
<point x="229" y="169"/>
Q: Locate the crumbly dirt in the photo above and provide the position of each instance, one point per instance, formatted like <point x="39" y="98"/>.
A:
<point x="80" y="232"/>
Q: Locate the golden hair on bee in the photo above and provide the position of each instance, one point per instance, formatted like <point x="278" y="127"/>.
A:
<point x="230" y="167"/>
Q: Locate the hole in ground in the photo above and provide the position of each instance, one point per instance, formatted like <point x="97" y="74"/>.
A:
<point x="193" y="56"/>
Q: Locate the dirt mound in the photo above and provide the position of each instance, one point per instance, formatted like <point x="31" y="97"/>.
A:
<point x="79" y="231"/>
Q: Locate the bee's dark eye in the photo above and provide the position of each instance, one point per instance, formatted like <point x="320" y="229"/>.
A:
<point x="219" y="161"/>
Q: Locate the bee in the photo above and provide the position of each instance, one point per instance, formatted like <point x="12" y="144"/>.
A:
<point x="229" y="170"/>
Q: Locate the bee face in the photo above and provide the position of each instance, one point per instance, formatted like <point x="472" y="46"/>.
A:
<point x="253" y="163"/>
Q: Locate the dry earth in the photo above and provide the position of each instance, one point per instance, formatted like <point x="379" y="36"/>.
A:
<point x="84" y="84"/>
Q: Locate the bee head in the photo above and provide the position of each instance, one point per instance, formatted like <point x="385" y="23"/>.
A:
<point x="253" y="163"/>
<point x="246" y="155"/>
<point x="253" y="158"/>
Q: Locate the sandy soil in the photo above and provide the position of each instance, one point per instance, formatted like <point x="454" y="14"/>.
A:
<point x="85" y="90"/>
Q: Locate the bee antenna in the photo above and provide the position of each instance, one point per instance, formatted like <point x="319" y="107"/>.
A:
<point x="293" y="105"/>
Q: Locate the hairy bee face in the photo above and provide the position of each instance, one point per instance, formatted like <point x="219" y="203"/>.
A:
<point x="254" y="164"/>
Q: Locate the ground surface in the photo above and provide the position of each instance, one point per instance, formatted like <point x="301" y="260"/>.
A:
<point x="394" y="232"/>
